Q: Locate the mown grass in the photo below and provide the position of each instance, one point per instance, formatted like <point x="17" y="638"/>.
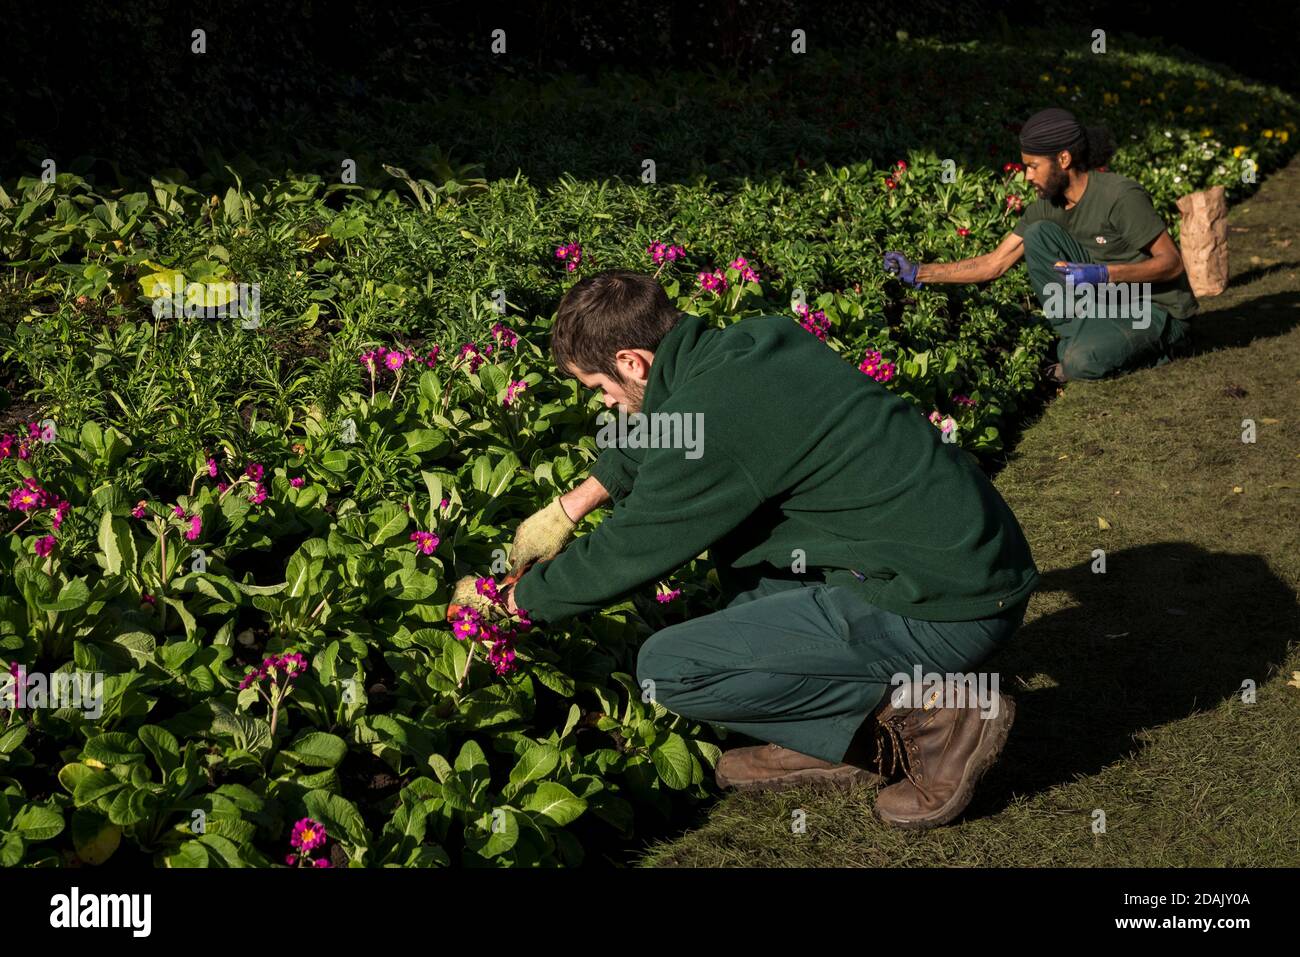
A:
<point x="1128" y="682"/>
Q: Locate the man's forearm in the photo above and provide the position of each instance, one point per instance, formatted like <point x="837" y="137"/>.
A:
<point x="1149" y="270"/>
<point x="977" y="269"/>
<point x="588" y="496"/>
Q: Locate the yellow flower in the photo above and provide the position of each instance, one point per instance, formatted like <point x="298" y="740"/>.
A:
<point x="1145" y="101"/>
<point x="1268" y="134"/>
<point x="1062" y="89"/>
<point x="1238" y="150"/>
<point x="1206" y="132"/>
<point x="1045" y="77"/>
<point x="1243" y="127"/>
<point x="1161" y="95"/>
<point x="1188" y="108"/>
<point x="1283" y="136"/>
<point x="1202" y="85"/>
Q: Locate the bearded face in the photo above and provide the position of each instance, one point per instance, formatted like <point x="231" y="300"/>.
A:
<point x="1054" y="183"/>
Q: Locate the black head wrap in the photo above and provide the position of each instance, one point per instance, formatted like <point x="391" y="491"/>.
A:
<point x="1049" y="131"/>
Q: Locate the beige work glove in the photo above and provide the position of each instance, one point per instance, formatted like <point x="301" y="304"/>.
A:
<point x="540" y="537"/>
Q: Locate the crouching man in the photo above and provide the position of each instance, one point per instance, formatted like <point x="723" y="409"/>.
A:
<point x="851" y="542"/>
<point x="1101" y="262"/>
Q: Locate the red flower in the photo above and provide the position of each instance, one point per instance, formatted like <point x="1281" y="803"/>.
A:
<point x="889" y="181"/>
<point x="963" y="231"/>
<point x="901" y="164"/>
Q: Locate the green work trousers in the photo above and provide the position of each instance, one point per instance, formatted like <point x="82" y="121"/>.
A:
<point x="1093" y="347"/>
<point x="802" y="663"/>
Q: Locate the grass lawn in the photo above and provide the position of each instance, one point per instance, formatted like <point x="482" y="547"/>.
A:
<point x="1128" y="683"/>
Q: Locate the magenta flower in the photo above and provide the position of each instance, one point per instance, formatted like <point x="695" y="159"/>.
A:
<point x="512" y="390"/>
<point x="148" y="599"/>
<point x="259" y="494"/>
<point x="505" y="335"/>
<point x="60" y="512"/>
<point x="432" y="359"/>
<point x="44" y="545"/>
<point x="178" y="511"/>
<point x="307" y="835"/>
<point x="713" y="282"/>
<point x="320" y="862"/>
<point x="393" y="361"/>
<point x="572" y="254"/>
<point x="466" y="624"/>
<point x="488" y="587"/>
<point x="221" y="487"/>
<point x="814" y="321"/>
<point x="659" y="252"/>
<point x="444" y="503"/>
<point x="195" y="529"/>
<point x="297" y="482"/>
<point x="254" y="471"/>
<point x="6" y="446"/>
<point x="138" y="511"/>
<point x="944" y="423"/>
<point x="746" y="273"/>
<point x="24" y="499"/>
<point x="212" y="468"/>
<point x="874" y="365"/>
<point x="963" y="400"/>
<point x="664" y="597"/>
<point x="426" y="542"/>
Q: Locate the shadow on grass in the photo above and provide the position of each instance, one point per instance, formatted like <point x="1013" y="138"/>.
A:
<point x="1168" y="631"/>
<point x="1234" y="325"/>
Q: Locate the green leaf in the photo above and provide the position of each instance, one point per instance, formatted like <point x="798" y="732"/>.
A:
<point x="90" y="788"/>
<point x="113" y="748"/>
<point x="673" y="760"/>
<point x="162" y="744"/>
<point x="72" y="596"/>
<point x="556" y="803"/>
<point x="339" y="815"/>
<point x="116" y="543"/>
<point x="318" y="749"/>
<point x="493" y="833"/>
<point x="94" y="837"/>
<point x="38" y="822"/>
<point x="536" y="763"/>
<point x="386" y="523"/>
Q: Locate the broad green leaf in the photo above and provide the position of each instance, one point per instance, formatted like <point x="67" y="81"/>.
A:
<point x="555" y="802"/>
<point x="534" y="764"/>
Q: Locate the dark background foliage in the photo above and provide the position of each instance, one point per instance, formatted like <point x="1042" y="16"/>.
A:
<point x="117" y="84"/>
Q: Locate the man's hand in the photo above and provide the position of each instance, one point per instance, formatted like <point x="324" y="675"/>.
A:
<point x="1083" y="274"/>
<point x="467" y="595"/>
<point x="897" y="263"/>
<point x="541" y="536"/>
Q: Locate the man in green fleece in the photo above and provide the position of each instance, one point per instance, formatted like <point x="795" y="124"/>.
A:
<point x="1108" y="275"/>
<point x="853" y="545"/>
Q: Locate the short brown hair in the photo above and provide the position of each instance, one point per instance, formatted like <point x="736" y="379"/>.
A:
<point x="613" y="310"/>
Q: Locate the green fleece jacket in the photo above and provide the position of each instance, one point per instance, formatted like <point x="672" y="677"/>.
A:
<point x="802" y="459"/>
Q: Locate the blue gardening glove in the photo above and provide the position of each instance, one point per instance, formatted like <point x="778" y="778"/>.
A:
<point x="897" y="263"/>
<point x="1084" y="274"/>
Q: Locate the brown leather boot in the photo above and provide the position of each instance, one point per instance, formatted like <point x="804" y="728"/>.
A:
<point x="770" y="767"/>
<point x="943" y="752"/>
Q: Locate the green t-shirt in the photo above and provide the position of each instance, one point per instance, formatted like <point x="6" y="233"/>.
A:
<point x="1113" y="220"/>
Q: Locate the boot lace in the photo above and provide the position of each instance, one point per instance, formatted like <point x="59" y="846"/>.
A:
<point x="889" y="737"/>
